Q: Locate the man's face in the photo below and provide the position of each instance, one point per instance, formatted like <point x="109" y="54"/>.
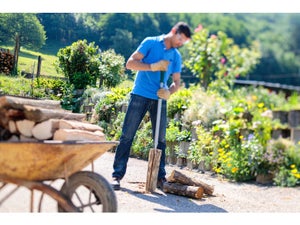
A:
<point x="178" y="40"/>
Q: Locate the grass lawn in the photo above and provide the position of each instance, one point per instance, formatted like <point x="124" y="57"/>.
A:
<point x="28" y="60"/>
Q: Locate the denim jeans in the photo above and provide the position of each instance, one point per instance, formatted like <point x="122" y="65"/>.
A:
<point x="137" y="109"/>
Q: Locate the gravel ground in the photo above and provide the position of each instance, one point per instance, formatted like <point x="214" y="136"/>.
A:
<point x="228" y="197"/>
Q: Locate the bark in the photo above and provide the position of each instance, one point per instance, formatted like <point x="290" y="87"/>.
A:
<point x="179" y="177"/>
<point x="183" y="190"/>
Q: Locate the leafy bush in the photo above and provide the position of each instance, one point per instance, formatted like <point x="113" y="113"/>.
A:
<point x="79" y="63"/>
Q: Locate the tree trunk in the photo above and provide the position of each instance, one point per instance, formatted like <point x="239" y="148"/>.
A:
<point x="16" y="54"/>
<point x="179" y="177"/>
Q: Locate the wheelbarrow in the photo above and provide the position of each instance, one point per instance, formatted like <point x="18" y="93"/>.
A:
<point x="34" y="164"/>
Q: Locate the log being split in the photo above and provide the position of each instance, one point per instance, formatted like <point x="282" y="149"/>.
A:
<point x="183" y="190"/>
<point x="179" y="177"/>
<point x="153" y="166"/>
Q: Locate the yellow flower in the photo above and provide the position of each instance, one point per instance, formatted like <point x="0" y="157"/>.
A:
<point x="297" y="175"/>
<point x="234" y="169"/>
<point x="241" y="137"/>
<point x="260" y="105"/>
<point x="294" y="171"/>
<point x="254" y="97"/>
<point x="227" y="146"/>
<point x="293" y="166"/>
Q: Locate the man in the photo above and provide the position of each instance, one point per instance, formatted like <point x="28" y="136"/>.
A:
<point x="153" y="55"/>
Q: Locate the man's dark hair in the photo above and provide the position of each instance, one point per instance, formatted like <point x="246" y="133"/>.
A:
<point x="182" y="27"/>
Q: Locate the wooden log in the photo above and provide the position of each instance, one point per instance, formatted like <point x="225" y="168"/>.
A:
<point x="153" y="166"/>
<point x="41" y="114"/>
<point x="179" y="177"/>
<point x="71" y="124"/>
<point x="45" y="130"/>
<point x="12" y="127"/>
<point x="25" y="127"/>
<point x="77" y="135"/>
<point x="183" y="190"/>
<point x="19" y="102"/>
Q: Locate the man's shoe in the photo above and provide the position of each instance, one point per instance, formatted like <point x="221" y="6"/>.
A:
<point x="116" y="184"/>
<point x="160" y="183"/>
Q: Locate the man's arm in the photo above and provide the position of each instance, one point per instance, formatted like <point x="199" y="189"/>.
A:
<point x="135" y="62"/>
<point x="176" y="83"/>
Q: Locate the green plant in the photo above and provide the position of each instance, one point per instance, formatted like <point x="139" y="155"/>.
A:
<point x="287" y="177"/>
<point x="79" y="63"/>
<point x="184" y="135"/>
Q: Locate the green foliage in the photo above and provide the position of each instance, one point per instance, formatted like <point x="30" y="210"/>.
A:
<point x="143" y="140"/>
<point x="79" y="63"/>
<point x="24" y="25"/>
<point x="179" y="102"/>
<point x="111" y="69"/>
<point x="217" y="57"/>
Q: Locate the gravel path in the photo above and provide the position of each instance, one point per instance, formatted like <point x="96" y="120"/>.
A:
<point x="229" y="197"/>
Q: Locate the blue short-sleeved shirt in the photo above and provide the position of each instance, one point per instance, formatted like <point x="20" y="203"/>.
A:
<point x="147" y="83"/>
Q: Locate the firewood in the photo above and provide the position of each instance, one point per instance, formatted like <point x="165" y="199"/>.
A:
<point x="179" y="177"/>
<point x="12" y="127"/>
<point x="77" y="135"/>
<point x="41" y="114"/>
<point x="71" y="124"/>
<point x="20" y="102"/>
<point x="183" y="190"/>
<point x="152" y="172"/>
<point x="45" y="129"/>
<point x="25" y="127"/>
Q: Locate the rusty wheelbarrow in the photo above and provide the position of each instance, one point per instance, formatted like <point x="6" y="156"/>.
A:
<point x="34" y="164"/>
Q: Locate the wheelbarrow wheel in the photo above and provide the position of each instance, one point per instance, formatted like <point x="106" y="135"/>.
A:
<point x="89" y="192"/>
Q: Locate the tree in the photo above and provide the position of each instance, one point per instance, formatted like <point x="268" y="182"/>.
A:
<point x="218" y="57"/>
<point x="24" y="29"/>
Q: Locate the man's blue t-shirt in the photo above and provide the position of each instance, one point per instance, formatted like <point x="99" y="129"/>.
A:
<point x="147" y="83"/>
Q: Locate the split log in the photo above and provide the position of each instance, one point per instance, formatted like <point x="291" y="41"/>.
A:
<point x="12" y="127"/>
<point x="25" y="127"/>
<point x="19" y="102"/>
<point x="179" y="177"/>
<point x="41" y="114"/>
<point x="71" y="124"/>
<point x="152" y="172"/>
<point x="77" y="135"/>
<point x="183" y="190"/>
<point x="45" y="130"/>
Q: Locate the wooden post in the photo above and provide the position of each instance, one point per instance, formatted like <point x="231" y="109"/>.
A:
<point x="153" y="166"/>
<point x="38" y="72"/>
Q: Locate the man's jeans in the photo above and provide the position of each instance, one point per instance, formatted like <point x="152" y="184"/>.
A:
<point x="137" y="108"/>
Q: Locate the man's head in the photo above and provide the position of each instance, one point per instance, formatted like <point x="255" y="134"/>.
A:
<point x="181" y="34"/>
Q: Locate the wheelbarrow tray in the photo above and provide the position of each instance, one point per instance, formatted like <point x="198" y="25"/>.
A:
<point x="48" y="160"/>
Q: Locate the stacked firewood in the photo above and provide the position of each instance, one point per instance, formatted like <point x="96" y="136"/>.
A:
<point x="183" y="184"/>
<point x="6" y="61"/>
<point x="24" y="119"/>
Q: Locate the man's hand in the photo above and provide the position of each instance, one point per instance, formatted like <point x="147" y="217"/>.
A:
<point x="161" y="65"/>
<point x="163" y="93"/>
